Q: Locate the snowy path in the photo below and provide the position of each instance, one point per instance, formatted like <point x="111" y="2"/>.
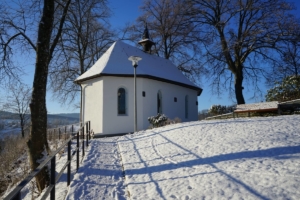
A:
<point x="245" y="158"/>
<point x="100" y="175"/>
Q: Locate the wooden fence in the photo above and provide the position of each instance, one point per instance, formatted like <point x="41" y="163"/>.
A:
<point x="83" y="134"/>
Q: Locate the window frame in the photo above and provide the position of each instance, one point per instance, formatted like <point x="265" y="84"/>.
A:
<point x="125" y="102"/>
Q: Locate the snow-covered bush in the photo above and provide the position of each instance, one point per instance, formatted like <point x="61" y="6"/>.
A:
<point x="177" y="120"/>
<point x="158" y="120"/>
<point x="219" y="109"/>
<point x="174" y="121"/>
<point x="288" y="89"/>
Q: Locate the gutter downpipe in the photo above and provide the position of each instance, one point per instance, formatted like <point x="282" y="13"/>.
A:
<point x="81" y="102"/>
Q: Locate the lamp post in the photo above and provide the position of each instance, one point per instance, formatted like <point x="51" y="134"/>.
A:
<point x="135" y="60"/>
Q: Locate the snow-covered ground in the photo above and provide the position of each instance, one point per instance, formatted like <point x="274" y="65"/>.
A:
<point x="100" y="176"/>
<point x="9" y="132"/>
<point x="245" y="158"/>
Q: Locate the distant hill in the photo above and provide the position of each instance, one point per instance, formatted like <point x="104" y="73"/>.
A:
<point x="55" y="120"/>
<point x="8" y="115"/>
<point x="69" y="117"/>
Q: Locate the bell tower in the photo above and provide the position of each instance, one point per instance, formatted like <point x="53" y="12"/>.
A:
<point x="145" y="41"/>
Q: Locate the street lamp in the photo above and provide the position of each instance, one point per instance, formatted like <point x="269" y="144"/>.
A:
<point x="135" y="60"/>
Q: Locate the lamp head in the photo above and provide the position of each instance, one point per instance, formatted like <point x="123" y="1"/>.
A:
<point x="135" y="60"/>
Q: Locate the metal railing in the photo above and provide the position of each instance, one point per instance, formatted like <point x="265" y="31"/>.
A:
<point x="16" y="193"/>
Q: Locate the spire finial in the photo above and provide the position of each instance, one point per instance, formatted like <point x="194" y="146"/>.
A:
<point x="146" y="32"/>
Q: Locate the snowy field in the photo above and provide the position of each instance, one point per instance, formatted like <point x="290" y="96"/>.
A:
<point x="10" y="132"/>
<point x="9" y="127"/>
<point x="245" y="158"/>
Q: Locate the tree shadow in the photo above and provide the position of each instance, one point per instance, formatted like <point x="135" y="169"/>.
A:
<point x="132" y="172"/>
<point x="276" y="153"/>
<point x="99" y="172"/>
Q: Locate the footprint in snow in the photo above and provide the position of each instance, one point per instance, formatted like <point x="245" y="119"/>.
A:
<point x="186" y="197"/>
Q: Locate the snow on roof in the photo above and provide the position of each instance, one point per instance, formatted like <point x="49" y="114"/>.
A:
<point x="257" y="106"/>
<point x="291" y="102"/>
<point x="115" y="62"/>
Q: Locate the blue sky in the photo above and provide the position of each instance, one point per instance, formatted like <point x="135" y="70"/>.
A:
<point x="126" y="11"/>
<point x="122" y="12"/>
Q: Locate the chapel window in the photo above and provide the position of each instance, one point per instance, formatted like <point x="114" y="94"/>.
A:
<point x="121" y="101"/>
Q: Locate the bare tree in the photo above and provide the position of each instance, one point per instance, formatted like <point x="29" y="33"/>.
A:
<point x="288" y="63"/>
<point x="175" y="37"/>
<point x="18" y="102"/>
<point x="241" y="38"/>
<point x="38" y="145"/>
<point x="86" y="35"/>
<point x="37" y="26"/>
<point x="291" y="58"/>
<point x="8" y="70"/>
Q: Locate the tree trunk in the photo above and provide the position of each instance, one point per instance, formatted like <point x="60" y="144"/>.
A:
<point x="238" y="86"/>
<point x="37" y="143"/>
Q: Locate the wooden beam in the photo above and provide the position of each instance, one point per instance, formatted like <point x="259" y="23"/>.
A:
<point x="258" y="110"/>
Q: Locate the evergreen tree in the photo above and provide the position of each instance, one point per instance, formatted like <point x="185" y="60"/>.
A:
<point x="288" y="89"/>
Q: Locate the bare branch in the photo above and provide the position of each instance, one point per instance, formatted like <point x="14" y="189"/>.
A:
<point x="61" y="24"/>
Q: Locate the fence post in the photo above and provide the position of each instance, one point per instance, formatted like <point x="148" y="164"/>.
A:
<point x="72" y="129"/>
<point x="89" y="130"/>
<point x="87" y="134"/>
<point x="65" y="132"/>
<point x="87" y="140"/>
<point x="77" y="151"/>
<point x="59" y="133"/>
<point x="279" y="109"/>
<point x="82" y="132"/>
<point x="69" y="165"/>
<point x="52" y="178"/>
<point x="82" y="140"/>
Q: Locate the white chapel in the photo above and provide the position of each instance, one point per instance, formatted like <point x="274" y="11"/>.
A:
<point x="108" y="90"/>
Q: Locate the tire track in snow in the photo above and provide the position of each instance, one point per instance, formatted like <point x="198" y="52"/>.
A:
<point x="154" y="146"/>
<point x="125" y="184"/>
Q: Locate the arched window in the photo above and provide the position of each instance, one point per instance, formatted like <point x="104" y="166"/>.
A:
<point x="159" y="102"/>
<point x="121" y="101"/>
<point x="186" y="106"/>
